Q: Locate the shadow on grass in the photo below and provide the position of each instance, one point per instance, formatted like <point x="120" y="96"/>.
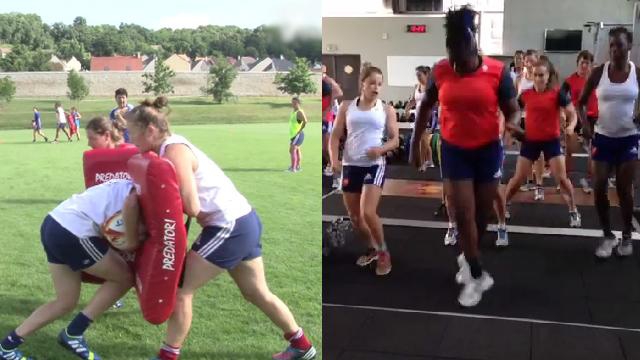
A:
<point x="31" y="201"/>
<point x="253" y="170"/>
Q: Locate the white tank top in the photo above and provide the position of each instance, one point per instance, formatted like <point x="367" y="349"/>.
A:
<point x="524" y="84"/>
<point x="220" y="202"/>
<point x="616" y="103"/>
<point x="80" y="215"/>
<point x="418" y="96"/>
<point x="365" y="130"/>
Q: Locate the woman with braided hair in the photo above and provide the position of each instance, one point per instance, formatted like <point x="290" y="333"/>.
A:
<point x="470" y="90"/>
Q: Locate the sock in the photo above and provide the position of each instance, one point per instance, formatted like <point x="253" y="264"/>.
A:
<point x="474" y="266"/>
<point x="298" y="340"/>
<point x="78" y="325"/>
<point x="12" y="341"/>
<point x="168" y="352"/>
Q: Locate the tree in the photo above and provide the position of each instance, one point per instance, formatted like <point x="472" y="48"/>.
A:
<point x="298" y="80"/>
<point x="221" y="76"/>
<point x="78" y="89"/>
<point x="7" y="89"/>
<point x="159" y="83"/>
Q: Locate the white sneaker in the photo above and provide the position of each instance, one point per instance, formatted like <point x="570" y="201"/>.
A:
<point x="327" y="171"/>
<point x="464" y="274"/>
<point x="538" y="194"/>
<point x="451" y="238"/>
<point x="503" y="237"/>
<point x="605" y="247"/>
<point x="429" y="164"/>
<point x="471" y="292"/>
<point x="586" y="188"/>
<point x="625" y="248"/>
<point x="575" y="220"/>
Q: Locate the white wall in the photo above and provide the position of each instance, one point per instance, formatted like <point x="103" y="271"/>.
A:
<point x="524" y="25"/>
<point x="525" y="21"/>
<point x="364" y="36"/>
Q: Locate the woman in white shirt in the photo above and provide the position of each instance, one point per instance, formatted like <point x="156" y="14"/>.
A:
<point x="365" y="121"/>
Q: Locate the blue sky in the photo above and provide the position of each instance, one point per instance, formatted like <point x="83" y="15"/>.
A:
<point x="155" y="14"/>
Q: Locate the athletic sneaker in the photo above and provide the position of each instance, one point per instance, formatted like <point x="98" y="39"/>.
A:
<point x="368" y="258"/>
<point x="585" y="186"/>
<point x="327" y="171"/>
<point x="451" y="238"/>
<point x="119" y="304"/>
<point x="606" y="246"/>
<point x="575" y="220"/>
<point x="539" y="194"/>
<point x="77" y="345"/>
<point x="471" y="293"/>
<point x="464" y="274"/>
<point x="291" y="353"/>
<point x="503" y="237"/>
<point x="14" y="354"/>
<point x="383" y="267"/>
<point x="528" y="186"/>
<point x="625" y="248"/>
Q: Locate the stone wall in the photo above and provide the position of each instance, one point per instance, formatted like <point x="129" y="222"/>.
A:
<point x="103" y="83"/>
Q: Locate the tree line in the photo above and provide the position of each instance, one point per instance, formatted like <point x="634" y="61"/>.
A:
<point x="33" y="42"/>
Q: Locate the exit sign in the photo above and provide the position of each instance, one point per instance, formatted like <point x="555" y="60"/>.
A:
<point x="420" y="29"/>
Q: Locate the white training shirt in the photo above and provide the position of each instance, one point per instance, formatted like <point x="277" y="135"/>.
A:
<point x="418" y="96"/>
<point x="220" y="202"/>
<point x="60" y="116"/>
<point x="84" y="213"/>
<point x="616" y="103"/>
<point x="365" y="129"/>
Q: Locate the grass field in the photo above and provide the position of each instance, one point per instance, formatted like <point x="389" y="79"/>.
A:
<point x="37" y="177"/>
<point x="184" y="110"/>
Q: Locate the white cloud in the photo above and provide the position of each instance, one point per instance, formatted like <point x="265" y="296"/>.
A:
<point x="184" y="21"/>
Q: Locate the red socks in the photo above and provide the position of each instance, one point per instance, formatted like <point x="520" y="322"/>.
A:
<point x="298" y="340"/>
<point x="168" y="352"/>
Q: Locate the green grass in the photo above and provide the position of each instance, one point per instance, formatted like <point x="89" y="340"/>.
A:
<point x="36" y="177"/>
<point x="184" y="110"/>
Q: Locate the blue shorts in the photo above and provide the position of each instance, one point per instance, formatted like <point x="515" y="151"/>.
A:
<point x="37" y="125"/>
<point x="614" y="151"/>
<point x="298" y="139"/>
<point x="77" y="123"/>
<point x="531" y="149"/>
<point x="62" y="247"/>
<point x="62" y="126"/>
<point x="480" y="165"/>
<point x="354" y="178"/>
<point x="227" y="246"/>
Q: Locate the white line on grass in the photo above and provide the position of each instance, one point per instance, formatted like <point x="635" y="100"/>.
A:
<point x="475" y="316"/>
<point x="518" y="229"/>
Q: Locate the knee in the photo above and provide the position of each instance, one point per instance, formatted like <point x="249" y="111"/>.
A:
<point x="369" y="215"/>
<point x="66" y="305"/>
<point x="256" y="295"/>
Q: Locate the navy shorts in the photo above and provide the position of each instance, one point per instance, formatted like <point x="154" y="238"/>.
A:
<point x="62" y="247"/>
<point x="614" y="151"/>
<point x="354" y="178"/>
<point x="532" y="149"/>
<point x="227" y="246"/>
<point x="298" y="139"/>
<point x="37" y="125"/>
<point x="480" y="165"/>
<point x="62" y="126"/>
<point x="326" y="127"/>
